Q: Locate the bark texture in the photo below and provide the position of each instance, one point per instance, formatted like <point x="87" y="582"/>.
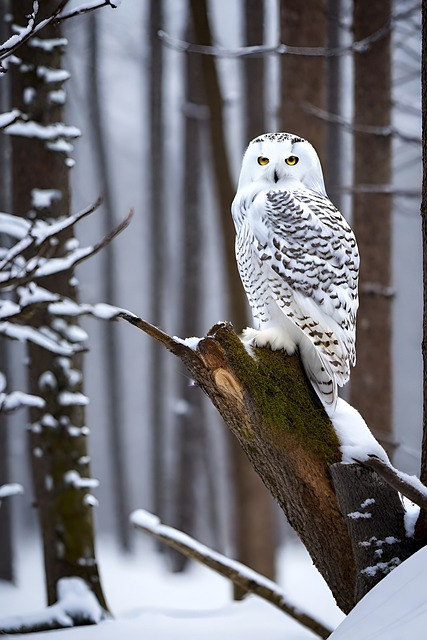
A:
<point x="304" y="78"/>
<point x="58" y="435"/>
<point x="371" y="380"/>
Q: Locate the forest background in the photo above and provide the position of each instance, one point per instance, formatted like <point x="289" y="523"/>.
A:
<point x="162" y="446"/>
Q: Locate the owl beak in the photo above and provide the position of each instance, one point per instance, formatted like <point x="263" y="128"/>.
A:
<point x="276" y="176"/>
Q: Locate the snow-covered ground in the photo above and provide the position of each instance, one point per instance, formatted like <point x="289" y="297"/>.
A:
<point x="150" y="603"/>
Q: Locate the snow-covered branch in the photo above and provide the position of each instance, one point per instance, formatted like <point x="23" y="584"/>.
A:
<point x="235" y="571"/>
<point x="33" y="257"/>
<point x="58" y="15"/>
<point x="40" y="240"/>
<point x="409" y="486"/>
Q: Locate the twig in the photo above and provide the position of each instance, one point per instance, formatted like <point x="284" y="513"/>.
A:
<point x="410" y="486"/>
<point x="283" y="49"/>
<point x="56" y="16"/>
<point x="237" y="572"/>
<point x="387" y="131"/>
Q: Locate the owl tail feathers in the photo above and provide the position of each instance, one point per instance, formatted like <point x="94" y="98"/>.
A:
<point x="320" y="374"/>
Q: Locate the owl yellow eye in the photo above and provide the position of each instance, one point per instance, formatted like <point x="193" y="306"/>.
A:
<point x="292" y="161"/>
<point x="262" y="160"/>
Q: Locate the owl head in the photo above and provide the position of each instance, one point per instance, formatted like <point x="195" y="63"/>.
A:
<point x="281" y="160"/>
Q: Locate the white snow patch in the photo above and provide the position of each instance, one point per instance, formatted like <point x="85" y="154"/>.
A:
<point x="61" y="145"/>
<point x="17" y="399"/>
<point x="50" y="132"/>
<point x="49" y="421"/>
<point x="72" y="332"/>
<point x="43" y="198"/>
<point x="12" y="489"/>
<point x="357" y="441"/>
<point x="49" y="75"/>
<point x="47" y="44"/>
<point x="192" y="342"/>
<point x="48" y="381"/>
<point x="75" y="600"/>
<point x="367" y="502"/>
<point x="412" y="511"/>
<point x="383" y="567"/>
<point x="9" y="116"/>
<point x="356" y="515"/>
<point x="74" y="479"/>
<point x="90" y="500"/>
<point x="28" y="95"/>
<point x="68" y="399"/>
<point x="57" y="96"/>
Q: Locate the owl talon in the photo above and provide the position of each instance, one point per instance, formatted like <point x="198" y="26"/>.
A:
<point x="276" y="340"/>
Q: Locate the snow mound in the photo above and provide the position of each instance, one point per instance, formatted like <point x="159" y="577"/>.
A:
<point x="395" y="609"/>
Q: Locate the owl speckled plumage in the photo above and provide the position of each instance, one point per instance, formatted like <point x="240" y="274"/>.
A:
<point x="298" y="260"/>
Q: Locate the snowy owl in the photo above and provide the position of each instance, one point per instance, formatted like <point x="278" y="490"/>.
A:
<point x="298" y="260"/>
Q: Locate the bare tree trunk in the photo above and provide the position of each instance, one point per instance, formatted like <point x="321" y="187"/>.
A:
<point x="222" y="172"/>
<point x="334" y="156"/>
<point x="158" y="259"/>
<point x="371" y="380"/>
<point x="110" y="338"/>
<point x="254" y="535"/>
<point x="303" y="78"/>
<point x="58" y="435"/>
<point x="6" y="546"/>
<point x="421" y="526"/>
<point x="189" y="424"/>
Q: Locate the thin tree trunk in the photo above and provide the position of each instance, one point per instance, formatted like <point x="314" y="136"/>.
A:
<point x="58" y="435"/>
<point x="110" y="337"/>
<point x="371" y="380"/>
<point x="421" y="526"/>
<point x="189" y="423"/>
<point x="254" y="508"/>
<point x="222" y="173"/>
<point x="253" y="535"/>
<point x="158" y="259"/>
<point x="6" y="546"/>
<point x="334" y="156"/>
<point x="303" y="80"/>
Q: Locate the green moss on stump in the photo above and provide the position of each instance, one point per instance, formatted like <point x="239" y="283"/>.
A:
<point x="284" y="398"/>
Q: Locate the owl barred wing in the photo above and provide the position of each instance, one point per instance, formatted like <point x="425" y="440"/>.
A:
<point x="307" y="253"/>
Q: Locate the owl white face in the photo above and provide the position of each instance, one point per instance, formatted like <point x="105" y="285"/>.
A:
<point x="281" y="161"/>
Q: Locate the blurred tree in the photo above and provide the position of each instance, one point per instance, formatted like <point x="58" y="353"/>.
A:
<point x="421" y="527"/>
<point x="303" y="81"/>
<point x="113" y="398"/>
<point x="334" y="156"/>
<point x="58" y="435"/>
<point x="254" y="535"/>
<point x="157" y="225"/>
<point x="371" y="380"/>
<point x="6" y="546"/>
<point x="189" y="424"/>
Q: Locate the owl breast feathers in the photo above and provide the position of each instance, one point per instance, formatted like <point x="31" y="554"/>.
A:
<point x="298" y="260"/>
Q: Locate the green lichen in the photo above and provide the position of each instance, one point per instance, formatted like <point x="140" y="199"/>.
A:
<point x="285" y="400"/>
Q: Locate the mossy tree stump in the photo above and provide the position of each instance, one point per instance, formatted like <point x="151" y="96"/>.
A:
<point x="270" y="406"/>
